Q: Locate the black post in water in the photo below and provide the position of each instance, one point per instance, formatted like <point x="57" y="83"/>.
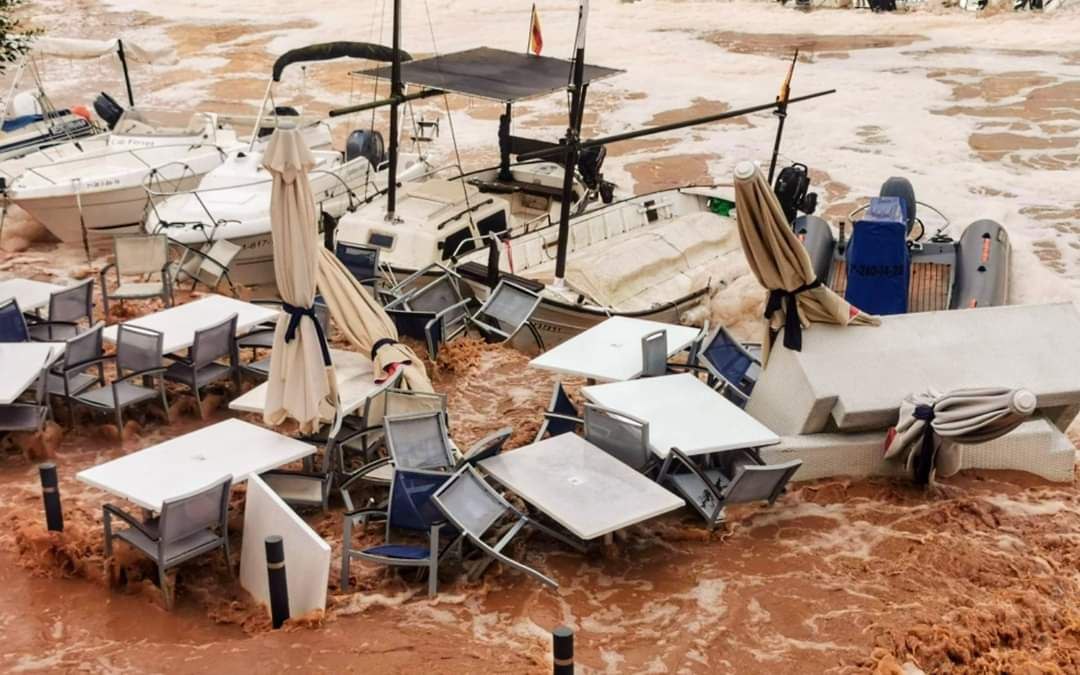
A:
<point x="562" y="647"/>
<point x="275" y="573"/>
<point x="50" y="494"/>
<point x="397" y="91"/>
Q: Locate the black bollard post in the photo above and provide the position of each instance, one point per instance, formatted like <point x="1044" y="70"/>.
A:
<point x="50" y="494"/>
<point x="562" y="647"/>
<point x="275" y="573"/>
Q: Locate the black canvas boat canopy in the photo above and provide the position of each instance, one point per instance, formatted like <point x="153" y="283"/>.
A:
<point x="494" y="74"/>
<point x="328" y="51"/>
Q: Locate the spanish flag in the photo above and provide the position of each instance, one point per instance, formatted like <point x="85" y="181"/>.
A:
<point x="536" y="38"/>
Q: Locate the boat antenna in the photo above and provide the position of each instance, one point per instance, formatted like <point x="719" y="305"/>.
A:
<point x="572" y="141"/>
<point x="124" y="67"/>
<point x="396" y="93"/>
<point x="781" y="113"/>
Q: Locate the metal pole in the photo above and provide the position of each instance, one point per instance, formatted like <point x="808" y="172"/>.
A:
<point x="275" y="574"/>
<point x="781" y="113"/>
<point x="572" y="143"/>
<point x="50" y="494"/>
<point x="127" y="77"/>
<point x="361" y="107"/>
<point x="396" y="92"/>
<point x="562" y="649"/>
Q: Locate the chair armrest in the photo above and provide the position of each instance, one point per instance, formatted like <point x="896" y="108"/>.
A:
<point x="141" y="373"/>
<point x="365" y="514"/>
<point x="130" y="520"/>
<point x="488" y="446"/>
<point x="488" y="328"/>
<point x="93" y="362"/>
<point x="564" y="418"/>
<point x="363" y="471"/>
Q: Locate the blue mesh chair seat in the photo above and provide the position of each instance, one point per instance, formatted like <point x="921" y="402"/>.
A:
<point x="409" y="510"/>
<point x="361" y="261"/>
<point x="435" y="312"/>
<point x="12" y="323"/>
<point x="731" y="367"/>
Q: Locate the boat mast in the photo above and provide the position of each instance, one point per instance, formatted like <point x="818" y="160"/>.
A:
<point x="396" y="94"/>
<point x="572" y="142"/>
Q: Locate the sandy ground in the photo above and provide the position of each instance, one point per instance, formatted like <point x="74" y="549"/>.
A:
<point x="840" y="576"/>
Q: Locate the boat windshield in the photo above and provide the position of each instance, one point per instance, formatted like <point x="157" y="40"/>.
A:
<point x="150" y="122"/>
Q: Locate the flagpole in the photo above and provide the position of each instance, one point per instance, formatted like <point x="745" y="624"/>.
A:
<point x="528" y="37"/>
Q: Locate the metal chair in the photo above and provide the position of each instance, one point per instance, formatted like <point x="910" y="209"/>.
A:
<point x="138" y="356"/>
<point x="13" y="323"/>
<point x="305" y="488"/>
<point x="28" y="415"/>
<point x="561" y="416"/>
<point x="506" y="311"/>
<point x="81" y="353"/>
<point x="435" y="312"/>
<point x="207" y="265"/>
<point x="361" y="261"/>
<point x="654" y="354"/>
<point x="141" y="256"/>
<point x="731" y="367"/>
<point x="67" y="308"/>
<point x="409" y="509"/>
<point x="474" y="507"/>
<point x="189" y="526"/>
<point x="710" y="490"/>
<point x="263" y="338"/>
<point x="487" y="447"/>
<point x="419" y="441"/>
<point x="202" y="366"/>
<point x="620" y="435"/>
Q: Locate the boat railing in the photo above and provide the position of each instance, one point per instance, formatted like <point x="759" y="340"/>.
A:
<point x="134" y="152"/>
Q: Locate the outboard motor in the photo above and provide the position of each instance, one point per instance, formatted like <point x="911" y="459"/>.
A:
<point x="590" y="161"/>
<point x="878" y="261"/>
<point x="368" y="144"/>
<point x="108" y="109"/>
<point x="792" y="189"/>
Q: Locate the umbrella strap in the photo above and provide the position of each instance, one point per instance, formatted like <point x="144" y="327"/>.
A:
<point x="792" y="325"/>
<point x="924" y="463"/>
<point x="298" y="313"/>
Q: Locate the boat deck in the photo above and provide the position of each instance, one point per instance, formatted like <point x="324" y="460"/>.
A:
<point x="928" y="288"/>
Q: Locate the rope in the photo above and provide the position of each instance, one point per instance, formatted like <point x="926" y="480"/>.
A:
<point x="295" y="315"/>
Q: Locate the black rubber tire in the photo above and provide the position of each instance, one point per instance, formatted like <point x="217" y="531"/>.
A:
<point x="901" y="187"/>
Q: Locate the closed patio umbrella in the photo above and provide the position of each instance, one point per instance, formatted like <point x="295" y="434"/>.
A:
<point x="301" y="385"/>
<point x="932" y="426"/>
<point x="366" y="324"/>
<point x="781" y="264"/>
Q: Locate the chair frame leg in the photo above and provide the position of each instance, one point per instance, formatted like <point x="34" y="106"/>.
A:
<point x="346" y="555"/>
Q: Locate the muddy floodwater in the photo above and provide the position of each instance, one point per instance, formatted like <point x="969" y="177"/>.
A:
<point x="980" y="574"/>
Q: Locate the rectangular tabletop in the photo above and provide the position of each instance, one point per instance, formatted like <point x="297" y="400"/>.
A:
<point x="580" y="486"/>
<point x="355" y="381"/>
<point x="21" y="364"/>
<point x="31" y="295"/>
<point x="180" y="323"/>
<point x="186" y="463"/>
<point x="610" y="351"/>
<point x="683" y="413"/>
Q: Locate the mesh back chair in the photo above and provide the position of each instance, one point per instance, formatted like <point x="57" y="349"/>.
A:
<point x="710" y="490"/>
<point x="506" y="311"/>
<point x="203" y="364"/>
<point x="189" y="526"/>
<point x="622" y="436"/>
<point x="731" y="367"/>
<point x="561" y="416"/>
<point x="305" y="488"/>
<point x="654" y="354"/>
<point x="12" y="323"/>
<point x="207" y="265"/>
<point x="138" y="356"/>
<point x="435" y="312"/>
<point x="28" y="415"/>
<point x="474" y="507"/>
<point x="140" y="256"/>
<point x="82" y="354"/>
<point x="409" y="509"/>
<point x="67" y="308"/>
<point x="363" y="433"/>
<point x="361" y="261"/>
<point x="263" y="337"/>
<point x="694" y="350"/>
<point x="419" y="441"/>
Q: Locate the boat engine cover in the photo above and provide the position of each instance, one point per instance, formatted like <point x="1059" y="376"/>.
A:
<point x="878" y="262"/>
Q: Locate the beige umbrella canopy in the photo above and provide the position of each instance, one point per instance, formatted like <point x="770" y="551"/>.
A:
<point x="366" y="325"/>
<point x="301" y="385"/>
<point x="782" y="265"/>
<point x="932" y="426"/>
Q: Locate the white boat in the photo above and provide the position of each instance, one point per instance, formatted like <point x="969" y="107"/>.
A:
<point x="233" y="200"/>
<point x="97" y="184"/>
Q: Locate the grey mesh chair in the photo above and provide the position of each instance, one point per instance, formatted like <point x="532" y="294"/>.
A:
<point x="263" y="338"/>
<point x="305" y="488"/>
<point x="262" y="335"/>
<point x="654" y="354"/>
<point x="67" y="309"/>
<point x="474" y="507"/>
<point x="732" y="368"/>
<point x="203" y="366"/>
<point x="419" y="441"/>
<point x="620" y="435"/>
<point x="409" y="509"/>
<point x="208" y="265"/>
<point x="362" y="433"/>
<point x="13" y="323"/>
<point x="506" y="311"/>
<point x="435" y="312"/>
<point x="710" y="490"/>
<point x="561" y="416"/>
<point x="28" y="415"/>
<point x="189" y="526"/>
<point x="138" y="357"/>
<point x="143" y="256"/>
<point x="82" y="354"/>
